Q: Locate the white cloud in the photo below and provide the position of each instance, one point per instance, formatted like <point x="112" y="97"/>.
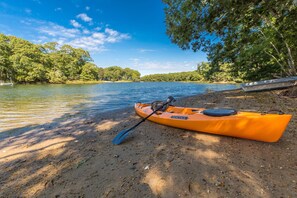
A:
<point x="97" y="40"/>
<point x="75" y="24"/>
<point x="114" y="36"/>
<point x="85" y="31"/>
<point x="88" y="8"/>
<point x="134" y="60"/>
<point x="40" y="39"/>
<point x="54" y="30"/>
<point x="58" y="9"/>
<point x="88" y="39"/>
<point x="89" y="42"/>
<point x="26" y="22"/>
<point x="146" y="50"/>
<point x="111" y="32"/>
<point x="84" y="17"/>
<point x="99" y="36"/>
<point x="97" y="28"/>
<point x="28" y="11"/>
<point x="149" y="67"/>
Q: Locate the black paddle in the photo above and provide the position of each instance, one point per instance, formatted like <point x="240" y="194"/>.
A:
<point x="123" y="134"/>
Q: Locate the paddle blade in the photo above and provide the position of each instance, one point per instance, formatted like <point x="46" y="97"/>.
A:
<point x="121" y="137"/>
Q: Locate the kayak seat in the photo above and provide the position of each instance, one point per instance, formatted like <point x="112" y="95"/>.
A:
<point x="219" y="112"/>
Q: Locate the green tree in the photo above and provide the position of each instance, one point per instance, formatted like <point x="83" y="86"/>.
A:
<point x="26" y="61"/>
<point x="100" y="73"/>
<point x="172" y="77"/>
<point x="64" y="62"/>
<point x="256" y="37"/>
<point x="56" y="76"/>
<point x="116" y="73"/>
<point x="130" y="74"/>
<point x="135" y="76"/>
<point x="89" y="72"/>
<point x="5" y="65"/>
<point x="113" y="73"/>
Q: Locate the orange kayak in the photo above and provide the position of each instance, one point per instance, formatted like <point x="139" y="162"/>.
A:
<point x="248" y="125"/>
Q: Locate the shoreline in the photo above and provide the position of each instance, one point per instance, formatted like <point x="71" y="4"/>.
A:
<point x="76" y="157"/>
<point x="80" y="82"/>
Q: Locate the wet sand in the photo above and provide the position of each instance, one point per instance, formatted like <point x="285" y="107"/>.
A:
<point x="73" y="156"/>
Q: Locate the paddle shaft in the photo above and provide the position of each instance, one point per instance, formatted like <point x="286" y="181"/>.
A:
<point x="149" y="115"/>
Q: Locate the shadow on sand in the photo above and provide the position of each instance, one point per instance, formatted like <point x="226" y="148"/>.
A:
<point x="73" y="156"/>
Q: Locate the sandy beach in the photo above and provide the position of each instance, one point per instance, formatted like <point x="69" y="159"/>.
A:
<point x="73" y="156"/>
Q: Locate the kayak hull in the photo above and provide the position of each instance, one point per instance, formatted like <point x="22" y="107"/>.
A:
<point x="247" y="125"/>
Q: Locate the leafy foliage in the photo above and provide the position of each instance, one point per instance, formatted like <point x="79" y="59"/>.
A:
<point x="5" y="52"/>
<point x="25" y="62"/>
<point x="256" y="38"/>
<point x="206" y="73"/>
<point x="178" y="76"/>
<point x="89" y="72"/>
<point x="116" y="73"/>
<point x="224" y="73"/>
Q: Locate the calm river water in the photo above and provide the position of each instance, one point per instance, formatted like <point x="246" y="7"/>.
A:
<point x="23" y="105"/>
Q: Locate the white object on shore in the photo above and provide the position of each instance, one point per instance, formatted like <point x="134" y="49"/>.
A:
<point x="147" y="167"/>
<point x="270" y="84"/>
<point x="6" y="84"/>
<point x="2" y="83"/>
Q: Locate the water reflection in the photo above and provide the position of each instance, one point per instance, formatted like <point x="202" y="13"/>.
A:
<point x="23" y="105"/>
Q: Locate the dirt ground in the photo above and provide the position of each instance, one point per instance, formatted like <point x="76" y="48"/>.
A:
<point x="73" y="156"/>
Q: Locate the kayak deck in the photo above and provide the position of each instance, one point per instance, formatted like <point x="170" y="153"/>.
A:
<point x="248" y="125"/>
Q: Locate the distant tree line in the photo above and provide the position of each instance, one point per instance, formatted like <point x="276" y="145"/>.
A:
<point x="204" y="73"/>
<point x="116" y="73"/>
<point x="25" y="62"/>
<point x="171" y="77"/>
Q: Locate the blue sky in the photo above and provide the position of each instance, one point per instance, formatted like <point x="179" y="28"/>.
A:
<point x="130" y="33"/>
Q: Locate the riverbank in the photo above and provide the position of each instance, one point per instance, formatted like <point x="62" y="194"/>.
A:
<point x="81" y="82"/>
<point x="73" y="156"/>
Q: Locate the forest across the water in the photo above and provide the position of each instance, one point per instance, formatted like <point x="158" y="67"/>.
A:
<point x="25" y="62"/>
